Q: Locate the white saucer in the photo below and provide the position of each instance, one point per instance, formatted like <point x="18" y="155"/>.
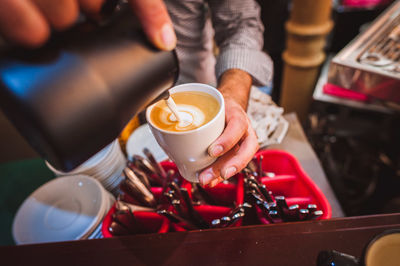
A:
<point x="63" y="209"/>
<point x="143" y="138"/>
<point x="87" y="165"/>
<point x="105" y="166"/>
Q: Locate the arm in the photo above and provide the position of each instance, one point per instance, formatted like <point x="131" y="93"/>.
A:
<point x="239" y="36"/>
<point x="28" y="22"/>
<point x="241" y="63"/>
<point x="238" y="143"/>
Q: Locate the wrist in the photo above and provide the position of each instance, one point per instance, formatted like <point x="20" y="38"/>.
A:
<point x="235" y="84"/>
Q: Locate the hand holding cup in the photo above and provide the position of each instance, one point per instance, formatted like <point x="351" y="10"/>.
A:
<point x="186" y="142"/>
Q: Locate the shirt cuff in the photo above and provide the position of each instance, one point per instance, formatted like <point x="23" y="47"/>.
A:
<point x="257" y="63"/>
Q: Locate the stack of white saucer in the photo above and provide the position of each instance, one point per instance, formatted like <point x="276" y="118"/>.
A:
<point x="143" y="138"/>
<point x="63" y="209"/>
<point x="106" y="166"/>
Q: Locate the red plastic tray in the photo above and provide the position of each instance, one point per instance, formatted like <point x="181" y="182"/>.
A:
<point x="151" y="221"/>
<point x="289" y="180"/>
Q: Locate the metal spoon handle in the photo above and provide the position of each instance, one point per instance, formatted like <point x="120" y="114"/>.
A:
<point x="155" y="164"/>
<point x="196" y="217"/>
<point x="177" y="219"/>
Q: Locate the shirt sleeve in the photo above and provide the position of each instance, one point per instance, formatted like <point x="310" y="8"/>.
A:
<point x="239" y="37"/>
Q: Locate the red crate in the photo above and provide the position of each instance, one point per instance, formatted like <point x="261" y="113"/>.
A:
<point x="289" y="180"/>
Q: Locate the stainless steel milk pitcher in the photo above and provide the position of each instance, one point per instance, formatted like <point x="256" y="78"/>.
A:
<point x="73" y="96"/>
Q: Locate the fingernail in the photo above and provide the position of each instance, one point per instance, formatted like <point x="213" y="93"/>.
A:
<point x="214" y="182"/>
<point x="168" y="36"/>
<point x="230" y="172"/>
<point x="205" y="178"/>
<point x="216" y="150"/>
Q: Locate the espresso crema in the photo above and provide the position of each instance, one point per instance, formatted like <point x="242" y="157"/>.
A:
<point x="194" y="108"/>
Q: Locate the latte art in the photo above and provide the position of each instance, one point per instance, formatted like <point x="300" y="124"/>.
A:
<point x="194" y="109"/>
<point x="190" y="116"/>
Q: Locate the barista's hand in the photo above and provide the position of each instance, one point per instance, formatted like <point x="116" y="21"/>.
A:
<point x="238" y="143"/>
<point x="28" y="22"/>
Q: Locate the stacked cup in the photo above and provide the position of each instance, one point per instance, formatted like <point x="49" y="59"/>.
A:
<point x="106" y="166"/>
<point x="63" y="209"/>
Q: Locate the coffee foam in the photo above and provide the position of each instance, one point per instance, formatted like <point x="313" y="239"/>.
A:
<point x="197" y="109"/>
<point x="190" y="116"/>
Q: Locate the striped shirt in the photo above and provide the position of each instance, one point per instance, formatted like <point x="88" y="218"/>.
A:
<point x="237" y="30"/>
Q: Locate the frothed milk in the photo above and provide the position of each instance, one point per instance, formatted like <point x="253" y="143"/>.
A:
<point x="193" y="108"/>
<point x="173" y="108"/>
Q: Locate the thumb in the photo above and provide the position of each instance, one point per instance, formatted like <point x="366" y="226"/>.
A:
<point x="156" y="23"/>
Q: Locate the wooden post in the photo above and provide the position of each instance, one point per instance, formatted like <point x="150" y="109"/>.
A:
<point x="309" y="23"/>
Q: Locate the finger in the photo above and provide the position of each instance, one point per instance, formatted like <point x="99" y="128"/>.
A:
<point x="242" y="157"/>
<point x="91" y="6"/>
<point x="213" y="172"/>
<point x="233" y="132"/>
<point x="233" y="161"/>
<point x="156" y="23"/>
<point x="21" y="22"/>
<point x="216" y="181"/>
<point x="60" y="14"/>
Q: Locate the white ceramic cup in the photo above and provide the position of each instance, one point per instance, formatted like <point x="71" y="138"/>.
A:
<point x="189" y="149"/>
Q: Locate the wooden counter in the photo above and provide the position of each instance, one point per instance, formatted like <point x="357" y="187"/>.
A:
<point x="278" y="244"/>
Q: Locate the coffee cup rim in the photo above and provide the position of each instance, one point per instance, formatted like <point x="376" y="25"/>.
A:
<point x="221" y="110"/>
<point x="374" y="240"/>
